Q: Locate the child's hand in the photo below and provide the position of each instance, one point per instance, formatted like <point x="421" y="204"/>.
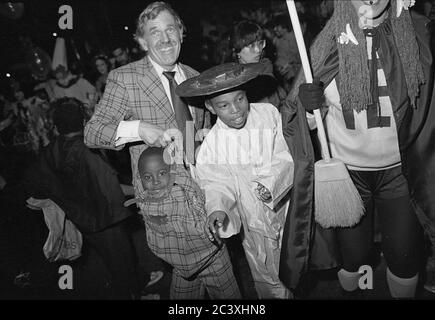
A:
<point x="201" y="134"/>
<point x="263" y="193"/>
<point x="216" y="218"/>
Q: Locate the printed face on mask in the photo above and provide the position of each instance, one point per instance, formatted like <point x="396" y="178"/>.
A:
<point x="370" y="12"/>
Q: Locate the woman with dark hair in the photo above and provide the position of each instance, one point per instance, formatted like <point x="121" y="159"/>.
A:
<point x="103" y="66"/>
<point x="247" y="42"/>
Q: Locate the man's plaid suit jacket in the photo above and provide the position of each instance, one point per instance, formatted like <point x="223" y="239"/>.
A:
<point x="135" y="92"/>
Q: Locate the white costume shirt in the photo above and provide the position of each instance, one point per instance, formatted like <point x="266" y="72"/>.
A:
<point x="231" y="161"/>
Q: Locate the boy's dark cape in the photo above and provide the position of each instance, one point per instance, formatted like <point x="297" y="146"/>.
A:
<point x="78" y="180"/>
<point x="305" y="244"/>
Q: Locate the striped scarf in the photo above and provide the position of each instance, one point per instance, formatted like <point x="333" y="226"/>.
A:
<point x="353" y="67"/>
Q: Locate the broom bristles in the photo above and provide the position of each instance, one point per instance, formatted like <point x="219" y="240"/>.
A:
<point x="337" y="203"/>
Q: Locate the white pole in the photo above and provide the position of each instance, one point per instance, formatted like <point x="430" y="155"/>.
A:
<point x="308" y="76"/>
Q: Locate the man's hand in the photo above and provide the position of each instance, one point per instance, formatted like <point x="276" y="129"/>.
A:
<point x="311" y="95"/>
<point x="215" y="219"/>
<point x="153" y="135"/>
<point x="263" y="193"/>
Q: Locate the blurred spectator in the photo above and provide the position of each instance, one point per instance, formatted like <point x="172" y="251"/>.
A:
<point x="6" y="119"/>
<point x="300" y="7"/>
<point x="103" y="66"/>
<point x="121" y="55"/>
<point x="247" y="43"/>
<point x="40" y="124"/>
<point x="426" y="8"/>
<point x="72" y="86"/>
<point x="136" y="53"/>
<point x="21" y="128"/>
<point x="224" y="48"/>
<point x="261" y="16"/>
<point x="288" y="61"/>
<point x="324" y="11"/>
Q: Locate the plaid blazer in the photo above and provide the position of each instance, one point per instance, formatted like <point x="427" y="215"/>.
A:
<point x="135" y="92"/>
<point x="175" y="225"/>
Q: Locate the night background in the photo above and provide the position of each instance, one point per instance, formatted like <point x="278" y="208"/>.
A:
<point x="98" y="25"/>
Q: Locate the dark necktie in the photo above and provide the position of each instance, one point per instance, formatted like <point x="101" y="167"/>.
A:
<point x="181" y="110"/>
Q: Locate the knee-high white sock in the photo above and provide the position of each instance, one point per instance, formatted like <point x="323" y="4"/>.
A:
<point x="401" y="287"/>
<point x="348" y="280"/>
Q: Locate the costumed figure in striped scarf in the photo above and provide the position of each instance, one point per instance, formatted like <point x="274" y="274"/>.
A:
<point x="374" y="64"/>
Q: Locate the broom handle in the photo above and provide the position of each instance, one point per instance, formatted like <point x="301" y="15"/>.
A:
<point x="308" y="76"/>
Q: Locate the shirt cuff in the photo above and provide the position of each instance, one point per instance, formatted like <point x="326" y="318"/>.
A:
<point x="311" y="121"/>
<point x="127" y="131"/>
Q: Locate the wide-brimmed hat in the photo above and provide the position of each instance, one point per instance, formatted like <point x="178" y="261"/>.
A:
<point x="220" y="78"/>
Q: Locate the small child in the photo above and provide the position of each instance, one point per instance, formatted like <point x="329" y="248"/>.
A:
<point x="173" y="208"/>
<point x="245" y="169"/>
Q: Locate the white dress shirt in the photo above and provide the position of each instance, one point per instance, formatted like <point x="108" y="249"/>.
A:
<point x="128" y="131"/>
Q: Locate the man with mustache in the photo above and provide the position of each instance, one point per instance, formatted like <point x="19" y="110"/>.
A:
<point x="139" y="104"/>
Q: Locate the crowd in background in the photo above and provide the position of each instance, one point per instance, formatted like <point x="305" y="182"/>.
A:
<point x="25" y="112"/>
<point x="26" y="122"/>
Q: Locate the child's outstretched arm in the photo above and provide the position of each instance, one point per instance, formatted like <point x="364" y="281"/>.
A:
<point x="215" y="219"/>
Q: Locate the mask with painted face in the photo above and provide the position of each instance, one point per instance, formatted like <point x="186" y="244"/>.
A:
<point x="371" y="13"/>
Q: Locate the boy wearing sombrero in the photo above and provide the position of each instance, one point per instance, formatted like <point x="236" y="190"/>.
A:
<point x="245" y="169"/>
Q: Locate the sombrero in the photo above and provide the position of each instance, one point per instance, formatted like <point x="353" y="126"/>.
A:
<point x="220" y="78"/>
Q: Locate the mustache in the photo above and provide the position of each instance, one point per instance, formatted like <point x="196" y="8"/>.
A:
<point x="166" y="45"/>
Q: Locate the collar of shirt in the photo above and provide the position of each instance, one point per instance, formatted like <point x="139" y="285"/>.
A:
<point x="179" y="77"/>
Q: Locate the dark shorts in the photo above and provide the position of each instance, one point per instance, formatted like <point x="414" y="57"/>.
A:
<point x="381" y="185"/>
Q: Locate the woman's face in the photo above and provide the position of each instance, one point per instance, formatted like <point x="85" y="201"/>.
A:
<point x="252" y="53"/>
<point x="101" y="66"/>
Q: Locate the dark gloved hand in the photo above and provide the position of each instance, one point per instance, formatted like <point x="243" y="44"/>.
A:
<point x="311" y="95"/>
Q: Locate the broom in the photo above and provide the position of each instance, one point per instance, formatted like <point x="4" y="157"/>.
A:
<point x="337" y="202"/>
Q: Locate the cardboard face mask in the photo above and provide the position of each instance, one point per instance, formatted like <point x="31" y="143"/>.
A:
<point x="370" y="13"/>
